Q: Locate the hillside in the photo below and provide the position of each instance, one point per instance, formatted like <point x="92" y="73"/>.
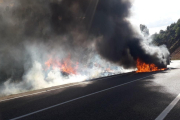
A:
<point x="169" y="37"/>
<point x="176" y="54"/>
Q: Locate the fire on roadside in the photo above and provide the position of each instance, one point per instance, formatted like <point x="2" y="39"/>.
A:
<point x="65" y="65"/>
<point x="144" y="67"/>
<point x="69" y="67"/>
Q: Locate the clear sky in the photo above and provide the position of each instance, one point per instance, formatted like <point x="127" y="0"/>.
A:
<point x="155" y="14"/>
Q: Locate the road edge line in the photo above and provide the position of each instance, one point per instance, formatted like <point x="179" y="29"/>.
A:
<point x="16" y="118"/>
<point x="77" y="83"/>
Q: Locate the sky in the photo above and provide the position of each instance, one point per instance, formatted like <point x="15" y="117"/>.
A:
<point x="155" y="14"/>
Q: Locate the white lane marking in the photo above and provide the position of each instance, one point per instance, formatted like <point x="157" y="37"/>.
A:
<point x="76" y="99"/>
<point x="39" y="92"/>
<point x="88" y="81"/>
<point x="168" y="108"/>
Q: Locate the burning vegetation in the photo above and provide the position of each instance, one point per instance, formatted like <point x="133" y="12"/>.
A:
<point x="66" y="66"/>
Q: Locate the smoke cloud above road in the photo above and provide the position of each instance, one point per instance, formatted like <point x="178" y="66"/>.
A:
<point x="94" y="36"/>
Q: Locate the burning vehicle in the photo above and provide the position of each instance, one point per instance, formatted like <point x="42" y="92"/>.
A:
<point x="144" y="67"/>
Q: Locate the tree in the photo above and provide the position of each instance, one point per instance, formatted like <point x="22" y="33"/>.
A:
<point x="171" y="36"/>
<point x="178" y="32"/>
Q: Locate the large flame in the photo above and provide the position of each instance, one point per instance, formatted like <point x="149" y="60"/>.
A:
<point x="144" y="67"/>
<point x="65" y="65"/>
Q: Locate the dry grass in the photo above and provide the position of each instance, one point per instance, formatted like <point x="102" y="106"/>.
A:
<point x="176" y="54"/>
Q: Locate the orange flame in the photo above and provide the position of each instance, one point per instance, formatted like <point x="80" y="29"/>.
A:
<point x="144" y="67"/>
<point x="64" y="65"/>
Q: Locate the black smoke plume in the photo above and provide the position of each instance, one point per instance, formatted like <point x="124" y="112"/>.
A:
<point x="80" y="22"/>
<point x="120" y="43"/>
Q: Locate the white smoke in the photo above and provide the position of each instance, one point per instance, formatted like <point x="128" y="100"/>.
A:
<point x="161" y="52"/>
<point x="36" y="77"/>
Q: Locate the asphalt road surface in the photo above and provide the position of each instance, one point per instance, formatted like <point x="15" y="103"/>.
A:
<point x="132" y="96"/>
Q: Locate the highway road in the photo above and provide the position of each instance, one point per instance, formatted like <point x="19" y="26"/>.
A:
<point x="131" y="96"/>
